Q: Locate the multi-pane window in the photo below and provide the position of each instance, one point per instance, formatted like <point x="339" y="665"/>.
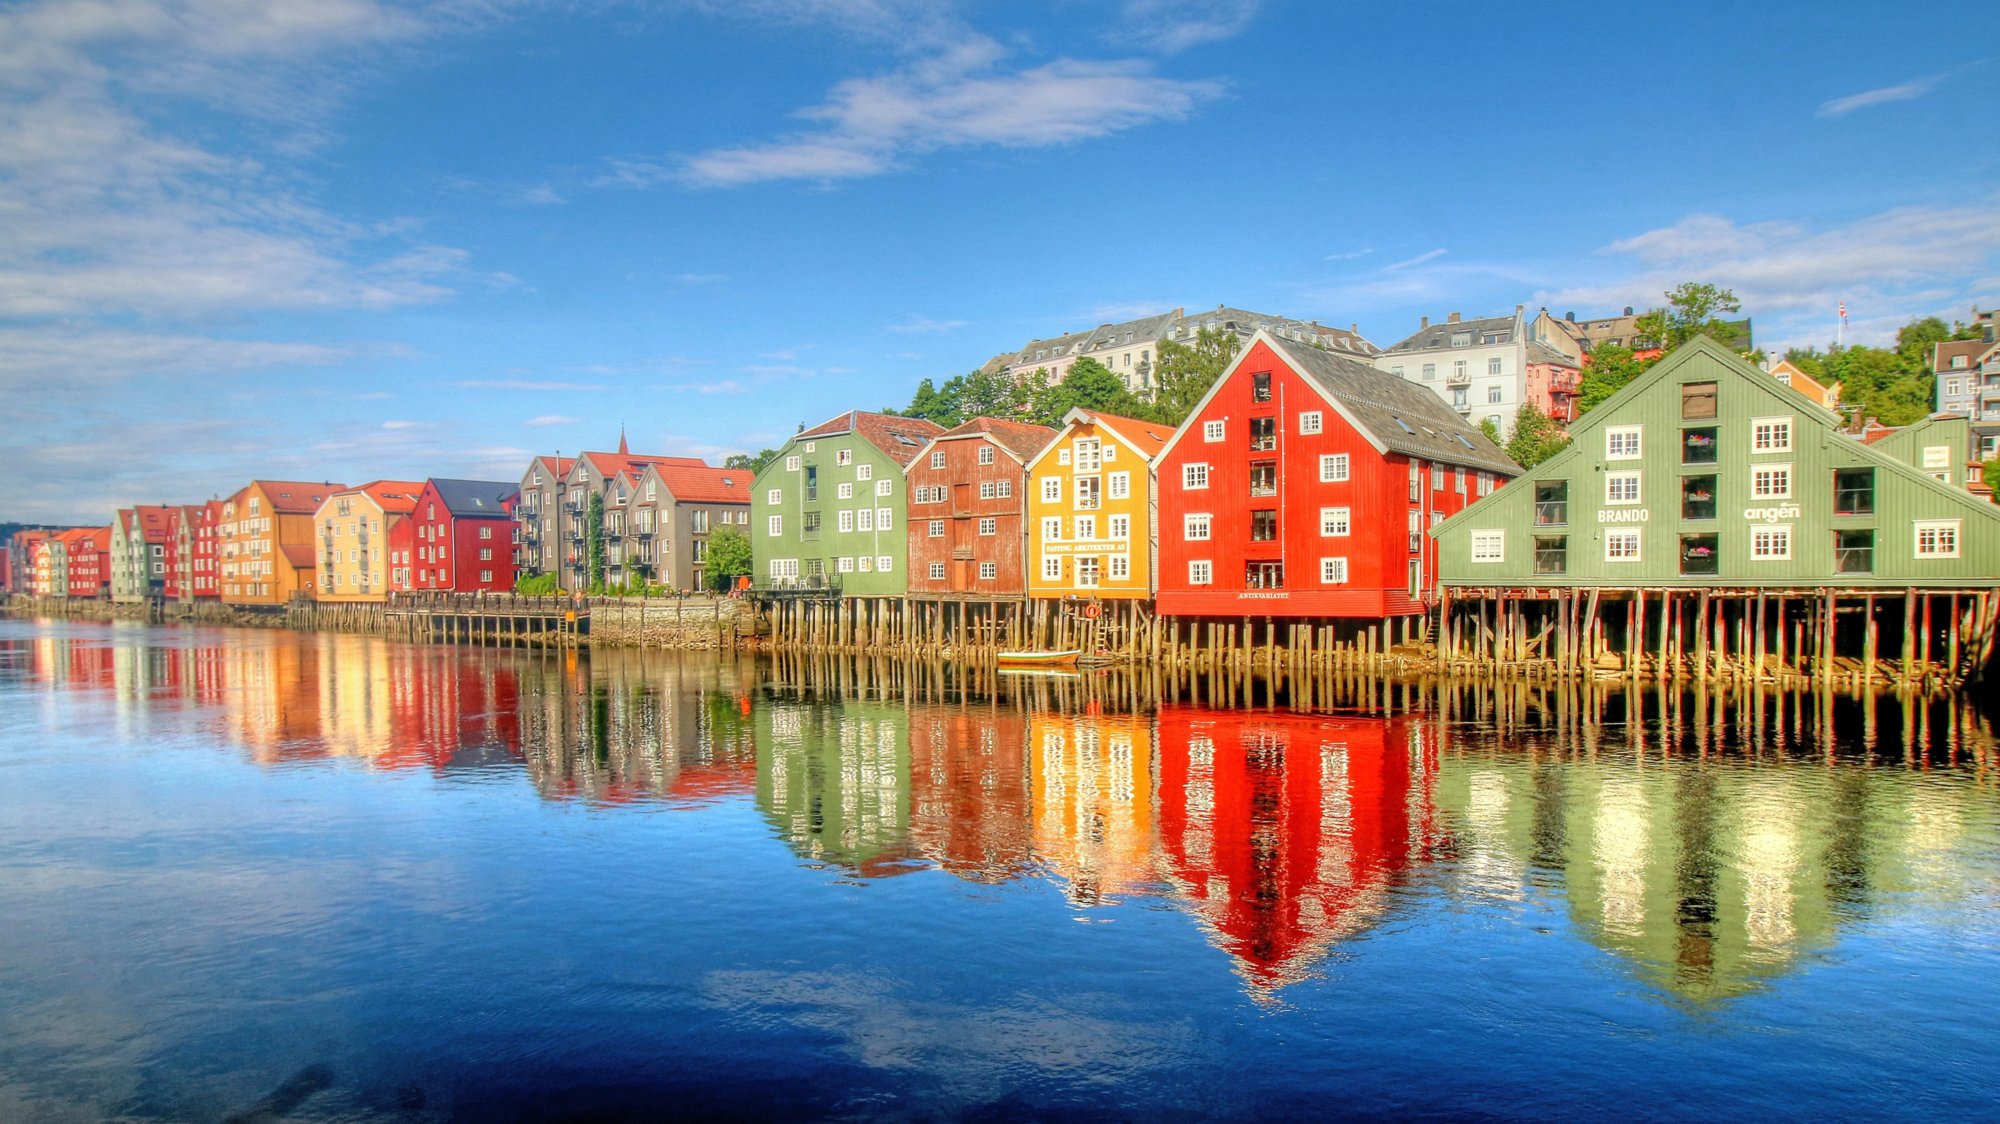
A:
<point x="1263" y="434"/>
<point x="845" y="491"/>
<point x="1489" y="546"/>
<point x="1459" y="483"/>
<point x="1201" y="572"/>
<point x="989" y="526"/>
<point x="1052" y="567"/>
<point x="1264" y="575"/>
<point x="937" y="458"/>
<point x="1937" y="456"/>
<point x="1194" y="476"/>
<point x="1211" y="431"/>
<point x="1263" y="526"/>
<point x="1697" y="497"/>
<point x="776" y="526"/>
<point x="844" y="519"/>
<point x="843" y="457"/>
<point x="1118" y="484"/>
<point x="1333" y="467"/>
<point x="937" y="571"/>
<point x="1335" y="522"/>
<point x="1086" y="527"/>
<point x="1493" y="393"/>
<point x="864" y="472"/>
<point x="1622" y="442"/>
<point x="1309" y="421"/>
<point x="1263" y="478"/>
<point x="884" y="563"/>
<point x="1006" y="488"/>
<point x="1052" y="489"/>
<point x="1493" y="365"/>
<point x="1485" y="483"/>
<point x="1854" y="491"/>
<point x="1854" y="552"/>
<point x="1260" y="386"/>
<point x="986" y="454"/>
<point x="1437" y="478"/>
<point x="988" y="571"/>
<point x="987" y="489"/>
<point x="1621" y="546"/>
<point x="1551" y="503"/>
<point x="1551" y="554"/>
<point x="1333" y="571"/>
<point x="1430" y="372"/>
<point x="1937" y="538"/>
<point x="935" y="528"/>
<point x="1195" y="526"/>
<point x="1770" y="543"/>
<point x="774" y="497"/>
<point x="1621" y="487"/>
<point x="1771" y="481"/>
<point x="791" y="464"/>
<point x="1119" y="527"/>
<point x="883" y="487"/>
<point x="1120" y="567"/>
<point x="1771" y="435"/>
<point x="1052" y="528"/>
<point x="1701" y="555"/>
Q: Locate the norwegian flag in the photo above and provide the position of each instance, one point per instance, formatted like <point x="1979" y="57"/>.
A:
<point x="1843" y="312"/>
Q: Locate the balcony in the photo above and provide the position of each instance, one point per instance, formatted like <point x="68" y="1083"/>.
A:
<point x="1458" y="378"/>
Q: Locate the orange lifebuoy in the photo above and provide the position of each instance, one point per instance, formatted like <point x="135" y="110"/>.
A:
<point x="1093" y="611"/>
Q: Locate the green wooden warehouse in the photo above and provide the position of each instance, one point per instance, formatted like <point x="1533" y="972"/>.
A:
<point x="1708" y="519"/>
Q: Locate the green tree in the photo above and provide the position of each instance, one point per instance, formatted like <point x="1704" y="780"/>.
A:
<point x="728" y="558"/>
<point x="1693" y="309"/>
<point x="535" y="585"/>
<point x="754" y="464"/>
<point x="1491" y="431"/>
<point x="1536" y="438"/>
<point x="593" y="539"/>
<point x="1088" y="385"/>
<point x="1186" y="371"/>
<point x="1609" y="369"/>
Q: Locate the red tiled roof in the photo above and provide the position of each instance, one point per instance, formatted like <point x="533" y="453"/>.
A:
<point x="394" y="497"/>
<point x="1149" y="437"/>
<point x="297" y="497"/>
<point x="560" y="466"/>
<point x="901" y="438"/>
<point x="1023" y="439"/>
<point x="610" y="465"/>
<point x="155" y="521"/>
<point x="701" y="483"/>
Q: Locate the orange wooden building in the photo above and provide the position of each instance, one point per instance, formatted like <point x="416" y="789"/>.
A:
<point x="265" y="541"/>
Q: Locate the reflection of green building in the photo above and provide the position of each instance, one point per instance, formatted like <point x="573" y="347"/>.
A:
<point x="1710" y="879"/>
<point x="833" y="777"/>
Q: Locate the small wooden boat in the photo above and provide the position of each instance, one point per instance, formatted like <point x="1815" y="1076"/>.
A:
<point x="1065" y="658"/>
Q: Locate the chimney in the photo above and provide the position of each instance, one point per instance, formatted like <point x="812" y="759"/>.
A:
<point x="1628" y="310"/>
<point x="1517" y="311"/>
<point x="1570" y="316"/>
<point x="1452" y="319"/>
<point x="1354" y="329"/>
<point x="1423" y="322"/>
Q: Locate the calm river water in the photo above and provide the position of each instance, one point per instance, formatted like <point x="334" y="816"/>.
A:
<point x="315" y="877"/>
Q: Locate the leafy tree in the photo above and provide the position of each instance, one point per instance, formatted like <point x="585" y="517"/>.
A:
<point x="1491" y="431"/>
<point x="1536" y="438"/>
<point x="1186" y="371"/>
<point x="1693" y="309"/>
<point x="728" y="558"/>
<point x="754" y="464"/>
<point x="1990" y="471"/>
<point x="593" y="538"/>
<point x="535" y="585"/>
<point x="1089" y="385"/>
<point x="1609" y="369"/>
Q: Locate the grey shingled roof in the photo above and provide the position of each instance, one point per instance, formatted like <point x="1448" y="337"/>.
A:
<point x="1403" y="416"/>
<point x="1539" y="352"/>
<point x="475" y="497"/>
<point x="1438" y="336"/>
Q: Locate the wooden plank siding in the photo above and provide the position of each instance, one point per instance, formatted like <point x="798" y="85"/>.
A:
<point x="1904" y="498"/>
<point x="964" y="517"/>
<point x="1060" y="562"/>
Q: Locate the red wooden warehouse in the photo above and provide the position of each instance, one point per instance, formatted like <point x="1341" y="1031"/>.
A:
<point x="967" y="493"/>
<point x="1303" y="485"/>
<point x="459" y="537"/>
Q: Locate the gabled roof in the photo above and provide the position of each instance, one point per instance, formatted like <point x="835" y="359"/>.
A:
<point x="558" y="466"/>
<point x="394" y="497"/>
<point x="1973" y="351"/>
<point x="1539" y="352"/>
<point x="1021" y="440"/>
<point x="1437" y="336"/>
<point x="475" y="499"/>
<point x="1396" y="415"/>
<point x="900" y="438"/>
<point x="155" y="521"/>
<point x="296" y="497"/>
<point x="703" y="483"/>
<point x="1145" y="438"/>
<point x="629" y="465"/>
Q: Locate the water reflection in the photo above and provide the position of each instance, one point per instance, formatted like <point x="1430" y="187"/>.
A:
<point x="1712" y="844"/>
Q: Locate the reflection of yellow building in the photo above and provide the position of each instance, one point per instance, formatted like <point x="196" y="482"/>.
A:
<point x="351" y="537"/>
<point x="1712" y="880"/>
<point x="1090" y="783"/>
<point x="1090" y="508"/>
<point x="355" y="705"/>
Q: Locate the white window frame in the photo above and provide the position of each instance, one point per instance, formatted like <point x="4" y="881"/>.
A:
<point x="844" y="521"/>
<point x="775" y="528"/>
<point x="1771" y="542"/>
<point x="1333" y="571"/>
<point x="1194" y="476"/>
<point x="1952" y="527"/>
<point x="1489" y="545"/>
<point x="1336" y="522"/>
<point x="989" y="526"/>
<point x="774" y="497"/>
<point x="1615" y="444"/>
<point x="1201" y="571"/>
<point x="845" y="490"/>
<point x="1637" y="539"/>
<point x="989" y="571"/>
<point x="1333" y="467"/>
<point x="792" y="463"/>
<point x="1779" y="425"/>
<point x="1311" y="421"/>
<point x="1119" y="567"/>
<point x="1051" y="528"/>
<point x="1937" y="456"/>
<point x="1052" y="567"/>
<point x="1086" y="528"/>
<point x="884" y="520"/>
<point x="1197" y="526"/>
<point x="1051" y="489"/>
<point x="936" y="530"/>
<point x="1761" y="474"/>
<point x="1213" y="431"/>
<point x="864" y="472"/>
<point x="937" y="571"/>
<point x="1118" y="485"/>
<point x="1638" y="488"/>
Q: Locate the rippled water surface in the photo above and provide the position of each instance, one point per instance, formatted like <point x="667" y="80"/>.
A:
<point x="331" y="878"/>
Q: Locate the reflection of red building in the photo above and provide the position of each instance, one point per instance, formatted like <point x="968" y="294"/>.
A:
<point x="969" y="791"/>
<point x="445" y="702"/>
<point x="1287" y="832"/>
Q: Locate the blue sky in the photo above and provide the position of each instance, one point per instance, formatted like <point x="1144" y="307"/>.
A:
<point x="352" y="239"/>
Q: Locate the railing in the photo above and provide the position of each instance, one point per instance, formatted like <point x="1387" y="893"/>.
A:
<point x="1458" y="378"/>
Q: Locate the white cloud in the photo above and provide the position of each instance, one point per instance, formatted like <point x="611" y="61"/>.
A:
<point x="1907" y="91"/>
<point x="552" y="420"/>
<point x="1792" y="276"/>
<point x="962" y="96"/>
<point x="926" y="324"/>
<point x="1349" y="255"/>
<point x="1171" y="26"/>
<point x="44" y="356"/>
<point x="527" y="384"/>
<point x="401" y="424"/>
<point x="1426" y="256"/>
<point x="542" y="195"/>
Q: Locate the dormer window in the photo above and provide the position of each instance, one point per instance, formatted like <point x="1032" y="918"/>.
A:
<point x="1461" y="339"/>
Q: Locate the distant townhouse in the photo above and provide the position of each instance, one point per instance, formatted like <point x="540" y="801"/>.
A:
<point x="1706" y="473"/>
<point x="1553" y="380"/>
<point x="1302" y="487"/>
<point x="1968" y="378"/>
<point x="82" y="563"/>
<point x="355" y="529"/>
<point x="967" y="490"/>
<point x="200" y="564"/>
<point x="1940" y="446"/>
<point x="24" y="549"/>
<point x="42" y="548"/>
<point x="672" y="509"/>
<point x="459" y="537"/>
<point x="827" y="511"/>
<point x="266" y="541"/>
<point x="1478" y="367"/>
<point x="540" y="537"/>
<point x="1789" y="373"/>
<point x="138" y="551"/>
<point x="1091" y="508"/>
<point x="1622" y="330"/>
<point x="1131" y="349"/>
